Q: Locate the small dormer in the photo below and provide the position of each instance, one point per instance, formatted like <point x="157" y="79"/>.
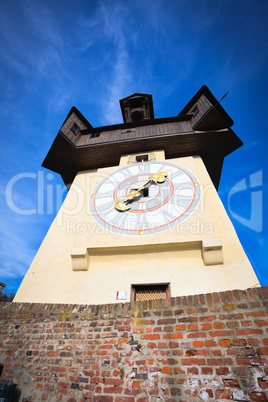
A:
<point x="207" y="112"/>
<point x="137" y="107"/>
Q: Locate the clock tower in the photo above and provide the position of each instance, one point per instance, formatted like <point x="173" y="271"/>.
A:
<point x="142" y="218"/>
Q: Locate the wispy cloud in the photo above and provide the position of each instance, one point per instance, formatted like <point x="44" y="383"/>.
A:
<point x="18" y="249"/>
<point x="114" y="21"/>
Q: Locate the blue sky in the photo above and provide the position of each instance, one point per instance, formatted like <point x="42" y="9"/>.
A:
<point x="56" y="54"/>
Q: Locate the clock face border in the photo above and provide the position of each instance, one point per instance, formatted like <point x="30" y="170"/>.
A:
<point x="115" y="181"/>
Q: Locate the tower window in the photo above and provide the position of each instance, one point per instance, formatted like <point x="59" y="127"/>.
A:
<point x="150" y="292"/>
<point x="142" y="158"/>
<point x="195" y="110"/>
<point x="137" y="115"/>
<point x="75" y="129"/>
<point x="94" y="135"/>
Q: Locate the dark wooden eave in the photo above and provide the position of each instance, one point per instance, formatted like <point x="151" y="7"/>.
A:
<point x="68" y="159"/>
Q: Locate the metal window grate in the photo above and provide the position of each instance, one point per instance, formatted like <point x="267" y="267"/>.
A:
<point x="149" y="292"/>
<point x="151" y="295"/>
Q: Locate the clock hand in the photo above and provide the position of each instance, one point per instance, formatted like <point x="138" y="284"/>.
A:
<point x="155" y="178"/>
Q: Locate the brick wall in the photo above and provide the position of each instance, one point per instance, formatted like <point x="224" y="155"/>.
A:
<point x="205" y="347"/>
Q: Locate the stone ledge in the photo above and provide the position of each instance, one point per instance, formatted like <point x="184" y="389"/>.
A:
<point x="80" y="259"/>
<point x="212" y="251"/>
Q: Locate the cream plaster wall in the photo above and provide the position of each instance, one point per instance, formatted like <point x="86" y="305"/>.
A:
<point x="115" y="262"/>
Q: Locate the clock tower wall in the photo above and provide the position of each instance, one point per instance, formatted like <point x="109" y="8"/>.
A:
<point x="81" y="261"/>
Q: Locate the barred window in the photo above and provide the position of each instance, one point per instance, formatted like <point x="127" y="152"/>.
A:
<point x="150" y="291"/>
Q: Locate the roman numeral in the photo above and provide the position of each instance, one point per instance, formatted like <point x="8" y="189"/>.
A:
<point x="143" y="168"/>
<point x="107" y="206"/>
<point x="167" y="214"/>
<point x="176" y="174"/>
<point x="142" y="221"/>
<point x="120" y="219"/>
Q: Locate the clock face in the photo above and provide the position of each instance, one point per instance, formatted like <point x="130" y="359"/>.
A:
<point x="160" y="207"/>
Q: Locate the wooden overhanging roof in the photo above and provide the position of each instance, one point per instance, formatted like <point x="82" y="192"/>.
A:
<point x="208" y="135"/>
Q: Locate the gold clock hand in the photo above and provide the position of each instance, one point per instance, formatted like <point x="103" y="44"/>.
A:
<point x="155" y="178"/>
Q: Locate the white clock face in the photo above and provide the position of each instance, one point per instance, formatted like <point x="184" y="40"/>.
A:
<point x="165" y="204"/>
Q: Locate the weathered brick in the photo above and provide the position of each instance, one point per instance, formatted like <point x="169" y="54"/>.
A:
<point x="206" y="370"/>
<point x="180" y="327"/>
<point x="194" y="382"/>
<point x="207" y="318"/>
<point x="206" y="394"/>
<point x="239" y="342"/>
<point x="232" y="324"/>
<point x="209" y="343"/>
<point x="168" y="328"/>
<point x="191" y="352"/>
<point x="233" y="352"/>
<point x="211" y="382"/>
<point x="175" y="391"/>
<point x="262" y="351"/>
<point x="172" y="345"/>
<point x="177" y="352"/>
<point x="113" y="381"/>
<point x="224" y="394"/>
<point x="62" y="391"/>
<point x="198" y="344"/>
<point x="177" y="335"/>
<point x="240" y="371"/>
<point x="193" y="327"/>
<point x="151" y="337"/>
<point x="225" y="342"/>
<point x="240" y="395"/>
<point x="178" y="370"/>
<point x="225" y="332"/>
<point x="123" y="340"/>
<point x="263" y="383"/>
<point x="152" y="345"/>
<point x="253" y="341"/>
<point x="197" y="335"/>
<point x="193" y="361"/>
<point x="112" y="390"/>
<point x="258" y="396"/>
<point x="193" y="370"/>
<point x="249" y="331"/>
<point x="166" y="370"/>
<point x="248" y="352"/>
<point x="251" y="361"/>
<point x="205" y="327"/>
<point x="163" y="345"/>
<point x="165" y="321"/>
<point x="230" y="383"/>
<point x="220" y="362"/>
